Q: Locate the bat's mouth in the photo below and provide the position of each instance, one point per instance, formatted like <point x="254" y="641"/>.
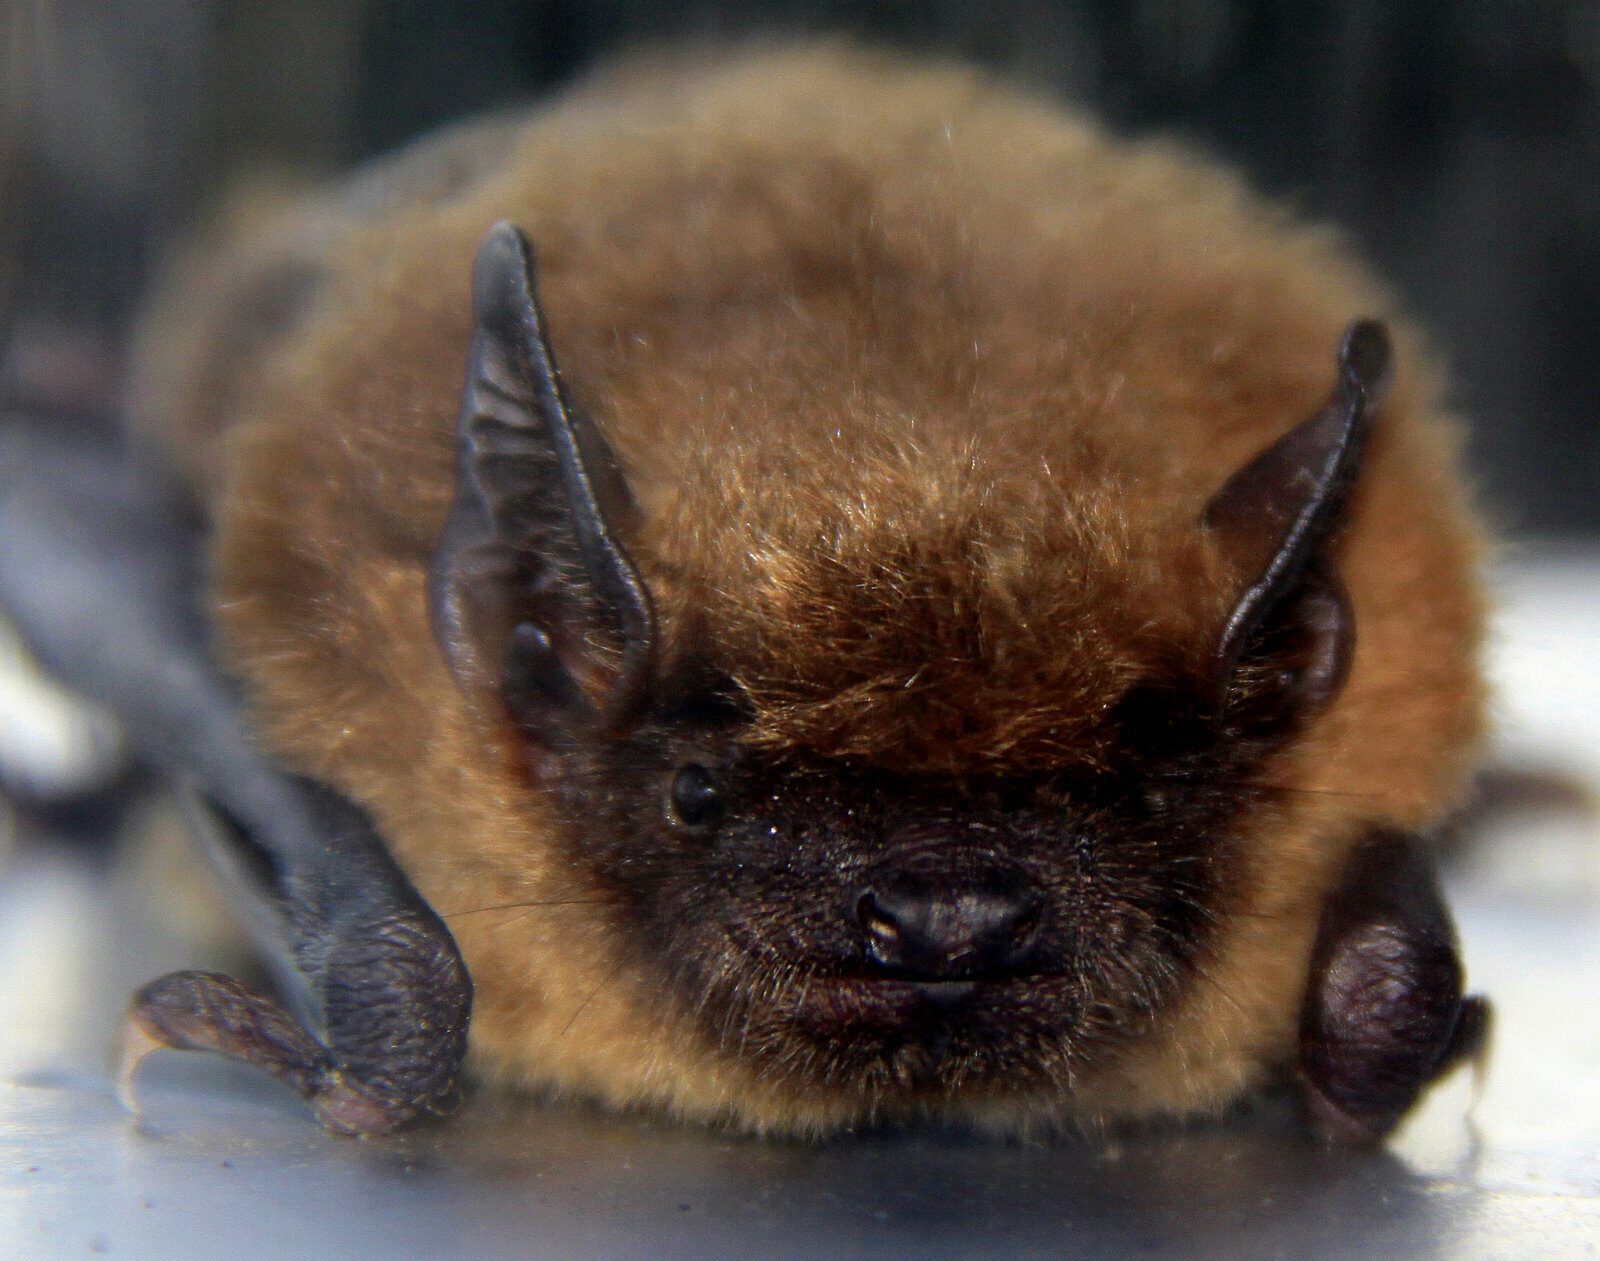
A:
<point x="896" y="1000"/>
<point x="944" y="995"/>
<point x="923" y="1037"/>
<point x="845" y="1004"/>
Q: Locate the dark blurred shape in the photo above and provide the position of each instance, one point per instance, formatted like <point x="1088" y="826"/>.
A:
<point x="1459" y="141"/>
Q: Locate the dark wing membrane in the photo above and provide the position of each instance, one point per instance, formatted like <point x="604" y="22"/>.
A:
<point x="99" y="568"/>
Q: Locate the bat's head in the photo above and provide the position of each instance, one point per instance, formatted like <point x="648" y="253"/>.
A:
<point x="925" y="811"/>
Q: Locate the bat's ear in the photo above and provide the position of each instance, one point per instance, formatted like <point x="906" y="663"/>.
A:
<point x="534" y="598"/>
<point x="1384" y="1013"/>
<point x="1276" y="519"/>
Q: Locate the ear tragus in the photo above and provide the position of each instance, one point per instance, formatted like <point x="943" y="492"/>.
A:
<point x="533" y="595"/>
<point x="1277" y="516"/>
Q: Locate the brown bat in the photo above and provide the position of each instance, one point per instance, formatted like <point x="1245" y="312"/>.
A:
<point x="978" y="623"/>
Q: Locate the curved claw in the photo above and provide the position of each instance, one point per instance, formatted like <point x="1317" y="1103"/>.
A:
<point x="207" y="1011"/>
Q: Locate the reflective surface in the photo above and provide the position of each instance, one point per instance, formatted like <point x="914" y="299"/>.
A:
<point x="221" y="1164"/>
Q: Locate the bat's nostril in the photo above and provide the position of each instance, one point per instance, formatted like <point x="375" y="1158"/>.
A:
<point x="879" y="927"/>
<point x="1029" y="919"/>
<point x="939" y="928"/>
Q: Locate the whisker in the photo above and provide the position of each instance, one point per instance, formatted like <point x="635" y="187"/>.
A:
<point x="593" y="994"/>
<point x="1325" y="792"/>
<point x="516" y="906"/>
<point x="1204" y="973"/>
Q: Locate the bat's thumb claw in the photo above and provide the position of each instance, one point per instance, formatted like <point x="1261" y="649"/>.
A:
<point x="135" y="1041"/>
<point x="206" y="1011"/>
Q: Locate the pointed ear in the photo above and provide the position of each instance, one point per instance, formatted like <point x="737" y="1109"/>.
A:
<point x="1276" y="518"/>
<point x="533" y="596"/>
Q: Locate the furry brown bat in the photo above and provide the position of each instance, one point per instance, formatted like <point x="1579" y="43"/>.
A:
<point x="976" y="626"/>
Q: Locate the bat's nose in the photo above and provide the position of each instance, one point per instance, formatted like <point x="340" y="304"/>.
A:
<point x="924" y="926"/>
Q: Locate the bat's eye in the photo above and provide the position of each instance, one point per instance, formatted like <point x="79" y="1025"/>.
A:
<point x="696" y="799"/>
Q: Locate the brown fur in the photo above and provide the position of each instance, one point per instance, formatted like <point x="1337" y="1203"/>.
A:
<point x="922" y="385"/>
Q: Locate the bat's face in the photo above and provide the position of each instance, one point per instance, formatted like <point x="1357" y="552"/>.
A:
<point x="847" y="926"/>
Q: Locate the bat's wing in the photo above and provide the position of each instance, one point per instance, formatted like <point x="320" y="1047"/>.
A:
<point x="100" y="570"/>
<point x="1384" y="1015"/>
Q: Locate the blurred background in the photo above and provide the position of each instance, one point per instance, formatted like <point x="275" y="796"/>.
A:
<point x="1458" y="140"/>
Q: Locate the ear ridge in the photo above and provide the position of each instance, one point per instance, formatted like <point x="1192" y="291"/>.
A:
<point x="1278" y="513"/>
<point x="532" y="591"/>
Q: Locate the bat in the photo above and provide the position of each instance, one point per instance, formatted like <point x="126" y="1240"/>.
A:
<point x="799" y="591"/>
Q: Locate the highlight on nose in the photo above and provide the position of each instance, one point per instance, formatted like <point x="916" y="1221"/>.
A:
<point x="923" y="927"/>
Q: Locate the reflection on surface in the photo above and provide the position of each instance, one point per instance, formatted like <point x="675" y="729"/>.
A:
<point x="564" y="1181"/>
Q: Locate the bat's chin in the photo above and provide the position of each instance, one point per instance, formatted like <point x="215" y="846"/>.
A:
<point x="918" y="1039"/>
